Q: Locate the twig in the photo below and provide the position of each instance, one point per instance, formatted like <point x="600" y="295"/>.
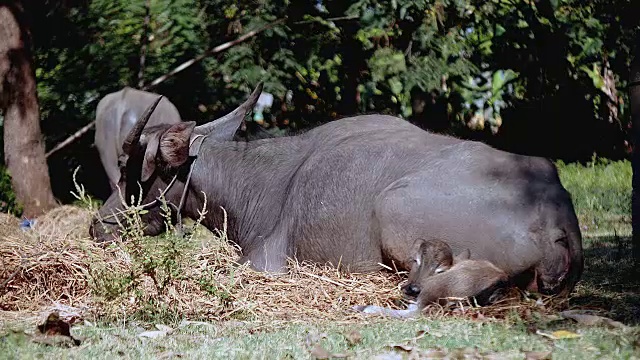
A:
<point x="71" y="138"/>
<point x="340" y="18"/>
<point x="324" y="279"/>
<point x="215" y="50"/>
<point x="144" y="42"/>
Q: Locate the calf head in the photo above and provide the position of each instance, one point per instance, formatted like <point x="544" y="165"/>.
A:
<point x="480" y="279"/>
<point x="430" y="257"/>
<point x="156" y="162"/>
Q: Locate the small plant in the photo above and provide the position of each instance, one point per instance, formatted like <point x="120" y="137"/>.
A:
<point x="150" y="269"/>
<point x="83" y="199"/>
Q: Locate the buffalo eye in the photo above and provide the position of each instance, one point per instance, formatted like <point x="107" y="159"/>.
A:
<point x="122" y="162"/>
<point x="563" y="242"/>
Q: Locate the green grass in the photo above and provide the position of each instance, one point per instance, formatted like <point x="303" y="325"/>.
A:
<point x="246" y="341"/>
<point x="601" y="193"/>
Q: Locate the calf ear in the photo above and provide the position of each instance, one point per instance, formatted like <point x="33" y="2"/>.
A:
<point x="464" y="255"/>
<point x="415" y="248"/>
<point x="174" y="143"/>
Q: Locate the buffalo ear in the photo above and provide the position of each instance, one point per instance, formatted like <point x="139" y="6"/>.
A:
<point x="174" y="143"/>
<point x="464" y="255"/>
<point x="149" y="162"/>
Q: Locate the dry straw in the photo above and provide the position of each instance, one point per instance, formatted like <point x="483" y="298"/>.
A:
<point x="57" y="263"/>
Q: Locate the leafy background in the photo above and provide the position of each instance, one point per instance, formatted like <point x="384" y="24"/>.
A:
<point x="544" y="77"/>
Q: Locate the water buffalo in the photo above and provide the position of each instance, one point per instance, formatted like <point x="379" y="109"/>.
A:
<point x="116" y="114"/>
<point x="354" y="192"/>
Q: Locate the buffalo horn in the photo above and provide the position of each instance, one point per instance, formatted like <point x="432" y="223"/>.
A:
<point x="136" y="131"/>
<point x="241" y="111"/>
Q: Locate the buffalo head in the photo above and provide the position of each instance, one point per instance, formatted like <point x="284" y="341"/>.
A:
<point x="155" y="163"/>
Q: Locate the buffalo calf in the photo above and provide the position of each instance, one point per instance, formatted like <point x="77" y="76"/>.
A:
<point x="458" y="277"/>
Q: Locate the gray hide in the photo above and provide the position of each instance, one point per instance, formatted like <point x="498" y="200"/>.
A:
<point x="358" y="191"/>
<point x="115" y="115"/>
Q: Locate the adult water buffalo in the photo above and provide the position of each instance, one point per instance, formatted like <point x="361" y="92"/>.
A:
<point x="116" y="114"/>
<point x="357" y="192"/>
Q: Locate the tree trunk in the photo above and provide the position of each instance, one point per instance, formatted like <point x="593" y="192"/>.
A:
<point x="634" y="99"/>
<point x="23" y="144"/>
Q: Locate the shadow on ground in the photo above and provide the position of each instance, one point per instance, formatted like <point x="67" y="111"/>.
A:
<point x="610" y="282"/>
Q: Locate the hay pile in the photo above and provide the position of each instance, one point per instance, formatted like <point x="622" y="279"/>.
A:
<point x="514" y="302"/>
<point x="47" y="263"/>
<point x="57" y="263"/>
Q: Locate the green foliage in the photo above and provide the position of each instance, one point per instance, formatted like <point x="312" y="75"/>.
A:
<point x="487" y="62"/>
<point x="381" y="50"/>
<point x="8" y="202"/>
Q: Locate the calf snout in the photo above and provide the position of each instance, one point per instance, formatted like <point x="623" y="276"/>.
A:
<point x="411" y="290"/>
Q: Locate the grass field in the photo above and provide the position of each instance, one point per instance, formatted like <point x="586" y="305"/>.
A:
<point x="610" y="285"/>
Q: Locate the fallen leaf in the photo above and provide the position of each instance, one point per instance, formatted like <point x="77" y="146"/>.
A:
<point x="55" y="331"/>
<point x="153" y="334"/>
<point x="54" y="326"/>
<point x="164" y="328"/>
<point x="421" y="333"/>
<point x="537" y="355"/>
<point x="353" y="337"/>
<point x="432" y="354"/>
<point x="560" y="334"/>
<point x="402" y="347"/>
<point x="388" y="356"/>
<point x="564" y="334"/>
<point x="340" y="355"/>
<point x="591" y="320"/>
<point x="168" y="355"/>
<point x="538" y="332"/>
<point x="185" y="323"/>
<point x="319" y="352"/>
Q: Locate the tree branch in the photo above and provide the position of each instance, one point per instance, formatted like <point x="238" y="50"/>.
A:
<point x="215" y="50"/>
<point x="144" y="42"/>
<point x="172" y="73"/>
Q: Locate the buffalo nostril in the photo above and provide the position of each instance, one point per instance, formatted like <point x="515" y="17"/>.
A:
<point x="411" y="290"/>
